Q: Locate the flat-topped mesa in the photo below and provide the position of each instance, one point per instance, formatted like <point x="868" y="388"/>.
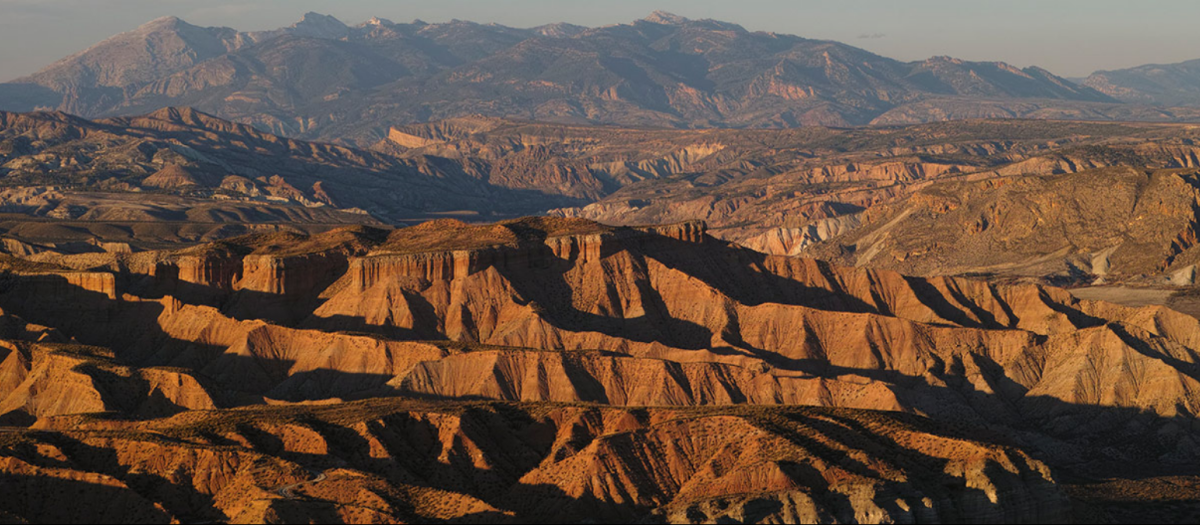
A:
<point x="436" y="266"/>
<point x="586" y="246"/>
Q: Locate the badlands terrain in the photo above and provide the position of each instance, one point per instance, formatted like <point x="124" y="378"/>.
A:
<point x="1065" y="203"/>
<point x="544" y="369"/>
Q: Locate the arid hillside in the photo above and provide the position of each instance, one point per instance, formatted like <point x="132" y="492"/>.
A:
<point x="508" y="370"/>
<point x="1158" y="84"/>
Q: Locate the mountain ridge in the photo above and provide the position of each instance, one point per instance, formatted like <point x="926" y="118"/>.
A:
<point x="663" y="70"/>
<point x="1158" y="84"/>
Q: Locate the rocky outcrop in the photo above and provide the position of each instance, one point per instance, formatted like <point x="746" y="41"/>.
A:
<point x="406" y="140"/>
<point x="171" y="176"/>
<point x="690" y="231"/>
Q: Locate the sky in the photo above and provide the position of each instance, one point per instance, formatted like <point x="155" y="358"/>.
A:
<point x="1071" y="38"/>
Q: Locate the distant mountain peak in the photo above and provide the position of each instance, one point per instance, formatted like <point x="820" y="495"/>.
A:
<point x="319" y="26"/>
<point x="376" y="21"/>
<point x="561" y="29"/>
<point x="313" y="16"/>
<point x="163" y="21"/>
<point x="665" y="18"/>
<point x="944" y="58"/>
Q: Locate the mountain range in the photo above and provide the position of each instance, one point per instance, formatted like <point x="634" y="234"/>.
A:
<point x="1157" y="84"/>
<point x="322" y="79"/>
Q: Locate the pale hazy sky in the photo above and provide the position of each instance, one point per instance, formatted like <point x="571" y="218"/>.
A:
<point x="1068" y="37"/>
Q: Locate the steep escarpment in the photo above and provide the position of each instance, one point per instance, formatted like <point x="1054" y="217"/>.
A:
<point x="667" y="306"/>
